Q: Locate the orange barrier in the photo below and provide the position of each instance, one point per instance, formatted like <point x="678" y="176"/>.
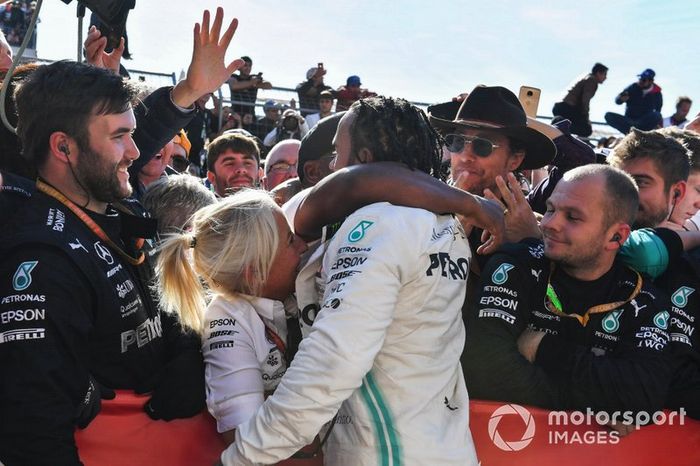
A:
<point x="123" y="435"/>
<point x="508" y="434"/>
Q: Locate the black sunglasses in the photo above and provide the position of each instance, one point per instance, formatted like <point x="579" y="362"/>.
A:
<point x="455" y="143"/>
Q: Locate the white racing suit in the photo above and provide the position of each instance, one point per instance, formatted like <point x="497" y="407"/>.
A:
<point x="383" y="351"/>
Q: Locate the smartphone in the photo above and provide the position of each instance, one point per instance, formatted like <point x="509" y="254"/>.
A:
<point x="320" y="65"/>
<point x="529" y="98"/>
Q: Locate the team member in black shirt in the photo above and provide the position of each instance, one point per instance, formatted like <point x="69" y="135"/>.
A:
<point x="563" y="324"/>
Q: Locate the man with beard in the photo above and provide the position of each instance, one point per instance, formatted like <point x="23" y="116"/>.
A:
<point x="77" y="319"/>
<point x="563" y="323"/>
<point x="660" y="166"/>
<point x="644" y="101"/>
<point x="234" y="163"/>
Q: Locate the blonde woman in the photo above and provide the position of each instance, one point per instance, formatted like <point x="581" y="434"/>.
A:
<point x="244" y="260"/>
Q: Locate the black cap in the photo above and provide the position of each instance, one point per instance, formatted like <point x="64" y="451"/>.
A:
<point x="318" y="141"/>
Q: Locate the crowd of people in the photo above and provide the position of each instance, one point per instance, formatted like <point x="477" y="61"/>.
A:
<point x="643" y="101"/>
<point x="332" y="286"/>
<point x="15" y="17"/>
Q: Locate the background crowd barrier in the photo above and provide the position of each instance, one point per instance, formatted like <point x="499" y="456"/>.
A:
<point x="526" y="438"/>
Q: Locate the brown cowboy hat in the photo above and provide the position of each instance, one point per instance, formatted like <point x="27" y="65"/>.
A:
<point x="495" y="108"/>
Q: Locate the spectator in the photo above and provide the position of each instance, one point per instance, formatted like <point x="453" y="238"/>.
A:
<point x="325" y="106"/>
<point x="660" y="166"/>
<point x="181" y="151"/>
<point x="575" y="106"/>
<point x="679" y="118"/>
<point x="644" y="102"/>
<point x="351" y="92"/>
<point x="5" y="55"/>
<point x="172" y="200"/>
<point x="291" y="126"/>
<point x="315" y="156"/>
<point x="281" y="163"/>
<point x="152" y="171"/>
<point x="685" y="208"/>
<point x="244" y="88"/>
<point x="488" y="135"/>
<point x="544" y="324"/>
<point x="309" y="91"/>
<point x="268" y="122"/>
<point x="234" y="163"/>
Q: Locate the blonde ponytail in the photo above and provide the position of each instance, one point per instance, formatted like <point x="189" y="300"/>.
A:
<point x="180" y="289"/>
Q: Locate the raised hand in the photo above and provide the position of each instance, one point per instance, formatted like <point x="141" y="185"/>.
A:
<point x="207" y="70"/>
<point x="95" y="51"/>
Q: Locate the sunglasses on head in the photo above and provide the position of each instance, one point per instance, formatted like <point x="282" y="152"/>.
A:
<point x="481" y="147"/>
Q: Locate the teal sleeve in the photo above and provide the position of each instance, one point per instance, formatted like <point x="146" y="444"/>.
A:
<point x="645" y="252"/>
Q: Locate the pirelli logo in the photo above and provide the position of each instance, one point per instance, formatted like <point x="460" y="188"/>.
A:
<point x="22" y="334"/>
<point x="498" y="314"/>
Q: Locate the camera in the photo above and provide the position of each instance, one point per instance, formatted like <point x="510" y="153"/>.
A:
<point x="290" y="123"/>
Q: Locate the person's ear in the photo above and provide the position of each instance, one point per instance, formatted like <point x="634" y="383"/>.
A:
<point x="678" y="191"/>
<point x="515" y="160"/>
<point x="312" y="174"/>
<point x="61" y="146"/>
<point x="364" y="155"/>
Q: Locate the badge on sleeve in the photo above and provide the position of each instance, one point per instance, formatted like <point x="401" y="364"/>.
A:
<point x="23" y="276"/>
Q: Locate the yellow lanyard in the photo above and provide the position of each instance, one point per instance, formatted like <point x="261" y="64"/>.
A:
<point x="90" y="223"/>
<point x="553" y="303"/>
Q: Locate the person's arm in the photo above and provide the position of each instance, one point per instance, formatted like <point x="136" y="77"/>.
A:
<point x="271" y="138"/>
<point x="46" y="318"/>
<point x="651" y="251"/>
<point x="163" y="113"/>
<point x="177" y="389"/>
<point x="340" y="350"/>
<point x="346" y="190"/>
<point x="497" y="315"/>
<point x="624" y="96"/>
<point x="659" y="101"/>
<point x="234" y="379"/>
<point x="634" y="377"/>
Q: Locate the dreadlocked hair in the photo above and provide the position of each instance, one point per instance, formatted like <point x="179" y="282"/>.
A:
<point x="396" y="131"/>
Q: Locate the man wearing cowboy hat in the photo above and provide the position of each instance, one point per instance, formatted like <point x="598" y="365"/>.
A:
<point x="488" y="135"/>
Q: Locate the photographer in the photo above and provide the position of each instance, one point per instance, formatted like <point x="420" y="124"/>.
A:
<point x="291" y="126"/>
<point x="244" y="88"/>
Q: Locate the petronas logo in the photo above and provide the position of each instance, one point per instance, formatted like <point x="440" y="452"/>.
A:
<point x="23" y="276"/>
<point x="611" y="322"/>
<point x="358" y="232"/>
<point x="680" y="297"/>
<point x="661" y="320"/>
<point x="500" y="276"/>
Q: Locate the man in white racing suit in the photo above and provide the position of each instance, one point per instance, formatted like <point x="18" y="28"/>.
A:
<point x="384" y="349"/>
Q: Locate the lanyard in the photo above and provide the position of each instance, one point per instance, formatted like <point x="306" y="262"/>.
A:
<point x="90" y="223"/>
<point x="272" y="336"/>
<point x="553" y="303"/>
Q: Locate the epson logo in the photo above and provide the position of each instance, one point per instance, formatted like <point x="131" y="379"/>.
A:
<point x="221" y="322"/>
<point x="22" y="315"/>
